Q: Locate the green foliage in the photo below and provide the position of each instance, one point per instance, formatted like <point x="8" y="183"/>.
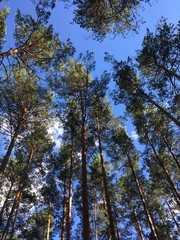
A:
<point x="104" y="17"/>
<point x="3" y="14"/>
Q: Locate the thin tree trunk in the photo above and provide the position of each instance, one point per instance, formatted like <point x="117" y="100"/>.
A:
<point x="8" y="153"/>
<point x="170" y="150"/>
<point x="49" y="222"/>
<point x="106" y="215"/>
<point x="105" y="185"/>
<point x="70" y="193"/>
<point x="16" y="200"/>
<point x="167" y="114"/>
<point x="64" y="212"/>
<point x="18" y="194"/>
<point x="15" y="218"/>
<point x="141" y="193"/>
<point x="174" y="191"/>
<point x="85" y="204"/>
<point x="138" y="224"/>
<point x="5" y="202"/>
<point x="117" y="230"/>
<point x="95" y="220"/>
<point x="173" y="215"/>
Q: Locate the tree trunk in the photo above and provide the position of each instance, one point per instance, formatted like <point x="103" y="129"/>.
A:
<point x="106" y="215"/>
<point x="85" y="204"/>
<point x="161" y="164"/>
<point x="64" y="212"/>
<point x="49" y="222"/>
<point x="18" y="193"/>
<point x="14" y="222"/>
<point x="173" y="215"/>
<point x="16" y="201"/>
<point x="138" y="224"/>
<point x="8" y="153"/>
<point x="105" y="185"/>
<point x="5" y="202"/>
<point x="141" y="193"/>
<point x="95" y="220"/>
<point x="70" y="193"/>
<point x="167" y="114"/>
<point x="170" y="150"/>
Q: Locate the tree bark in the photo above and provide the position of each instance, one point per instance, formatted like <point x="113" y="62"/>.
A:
<point x="167" y="114"/>
<point x="70" y="193"/>
<point x="144" y="202"/>
<point x="16" y="201"/>
<point x="105" y="185"/>
<point x="161" y="164"/>
<point x="138" y="224"/>
<point x="5" y="202"/>
<point x="64" y="212"/>
<point x="18" y="193"/>
<point x="9" y="150"/>
<point x="173" y="215"/>
<point x="49" y="222"/>
<point x="170" y="150"/>
<point x="85" y="204"/>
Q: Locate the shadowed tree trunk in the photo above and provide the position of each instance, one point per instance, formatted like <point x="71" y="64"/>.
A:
<point x="63" y="227"/>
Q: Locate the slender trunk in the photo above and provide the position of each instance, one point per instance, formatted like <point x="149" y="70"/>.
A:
<point x="173" y="215"/>
<point x="5" y="202"/>
<point x="49" y="222"/>
<point x="161" y="164"/>
<point x="64" y="212"/>
<point x="18" y="194"/>
<point x="117" y="230"/>
<point x="141" y="193"/>
<point x="170" y="150"/>
<point x="138" y="224"/>
<point x="16" y="201"/>
<point x="105" y="185"/>
<point x="85" y="204"/>
<point x="106" y="215"/>
<point x="167" y="114"/>
<point x="15" y="218"/>
<point x="8" y="153"/>
<point x="70" y="193"/>
<point x="95" y="220"/>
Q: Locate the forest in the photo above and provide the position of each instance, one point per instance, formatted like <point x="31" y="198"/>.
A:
<point x="92" y="181"/>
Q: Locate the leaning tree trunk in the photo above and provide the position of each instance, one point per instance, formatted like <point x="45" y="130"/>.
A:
<point x="144" y="202"/>
<point x="9" y="151"/>
<point x="138" y="224"/>
<point x="16" y="201"/>
<point x="18" y="195"/>
<point x="149" y="99"/>
<point x="105" y="185"/>
<point x="161" y="164"/>
<point x="5" y="202"/>
<point x="170" y="150"/>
